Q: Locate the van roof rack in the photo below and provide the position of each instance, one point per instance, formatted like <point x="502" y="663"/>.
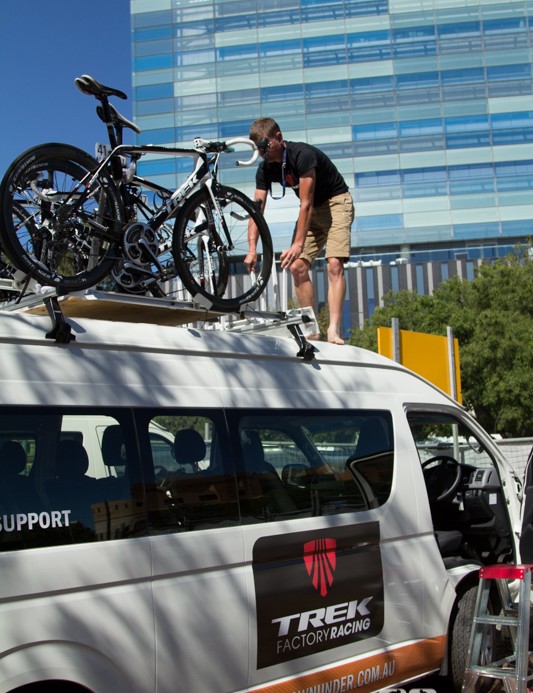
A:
<point x="104" y="305"/>
<point x="300" y="322"/>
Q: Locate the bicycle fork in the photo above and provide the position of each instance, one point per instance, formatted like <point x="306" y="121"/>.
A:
<point x="206" y="267"/>
<point x="218" y="217"/>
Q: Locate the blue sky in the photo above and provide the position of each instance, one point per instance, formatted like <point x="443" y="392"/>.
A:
<point x="44" y="45"/>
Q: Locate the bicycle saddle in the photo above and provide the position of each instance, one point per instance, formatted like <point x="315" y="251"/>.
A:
<point x="88" y="85"/>
<point x="117" y="118"/>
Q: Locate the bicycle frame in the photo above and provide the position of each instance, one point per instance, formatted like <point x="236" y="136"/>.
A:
<point x="201" y="170"/>
<point x="205" y="167"/>
<point x="204" y="172"/>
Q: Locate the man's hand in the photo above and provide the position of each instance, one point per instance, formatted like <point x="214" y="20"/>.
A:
<point x="287" y="257"/>
<point x="251" y="261"/>
<point x="307" y="190"/>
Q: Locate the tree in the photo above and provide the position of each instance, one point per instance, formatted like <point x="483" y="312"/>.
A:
<point x="323" y="322"/>
<point x="492" y="318"/>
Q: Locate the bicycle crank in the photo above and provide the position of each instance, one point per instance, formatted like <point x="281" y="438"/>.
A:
<point x="135" y="279"/>
<point x="140" y="244"/>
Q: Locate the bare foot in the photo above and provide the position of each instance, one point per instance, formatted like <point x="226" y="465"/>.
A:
<point x="334" y="338"/>
<point x="314" y="337"/>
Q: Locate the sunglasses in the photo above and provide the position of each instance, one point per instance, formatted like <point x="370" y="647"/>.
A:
<point x="263" y="145"/>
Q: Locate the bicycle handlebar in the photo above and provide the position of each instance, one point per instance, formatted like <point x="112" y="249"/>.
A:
<point x="250" y="143"/>
<point x="219" y="147"/>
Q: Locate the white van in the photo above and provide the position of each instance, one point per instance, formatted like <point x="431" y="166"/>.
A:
<point x="315" y="525"/>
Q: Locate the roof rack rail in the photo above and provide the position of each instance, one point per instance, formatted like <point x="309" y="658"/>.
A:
<point x="301" y="323"/>
<point x="102" y="305"/>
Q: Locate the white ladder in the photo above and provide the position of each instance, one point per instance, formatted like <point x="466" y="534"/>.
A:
<point x="513" y="669"/>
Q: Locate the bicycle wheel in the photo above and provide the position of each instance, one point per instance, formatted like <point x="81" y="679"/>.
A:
<point x="6" y="276"/>
<point x="63" y="233"/>
<point x="209" y="250"/>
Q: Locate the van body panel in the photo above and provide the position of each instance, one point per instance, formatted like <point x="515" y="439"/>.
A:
<point x="78" y="375"/>
<point x="369" y="673"/>
<point x="198" y="592"/>
<point x="197" y="570"/>
<point x="104" y="602"/>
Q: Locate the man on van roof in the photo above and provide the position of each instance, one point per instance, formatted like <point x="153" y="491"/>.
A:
<point x="324" y="220"/>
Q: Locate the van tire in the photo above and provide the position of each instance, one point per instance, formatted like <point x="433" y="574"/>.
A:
<point x="51" y="687"/>
<point x="463" y="619"/>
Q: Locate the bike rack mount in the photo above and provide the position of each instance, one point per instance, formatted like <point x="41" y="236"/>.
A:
<point x="61" y="331"/>
<point x="111" y="306"/>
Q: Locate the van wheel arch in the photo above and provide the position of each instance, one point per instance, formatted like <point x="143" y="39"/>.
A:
<point x="60" y="667"/>
<point x="52" y="687"/>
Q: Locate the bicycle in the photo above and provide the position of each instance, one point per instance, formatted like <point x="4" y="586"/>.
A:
<point x="71" y="221"/>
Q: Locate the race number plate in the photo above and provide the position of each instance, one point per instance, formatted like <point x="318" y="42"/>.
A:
<point x="101" y="151"/>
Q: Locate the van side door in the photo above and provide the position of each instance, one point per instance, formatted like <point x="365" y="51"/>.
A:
<point x="199" y="588"/>
<point x="333" y="575"/>
<point x="74" y="556"/>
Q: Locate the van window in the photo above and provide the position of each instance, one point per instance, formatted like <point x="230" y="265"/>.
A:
<point x="193" y="484"/>
<point x="71" y="476"/>
<point x="173" y="455"/>
<point x="64" y="478"/>
<point x="17" y="456"/>
<point x="307" y="464"/>
<point x="439" y="433"/>
<point x="467" y="504"/>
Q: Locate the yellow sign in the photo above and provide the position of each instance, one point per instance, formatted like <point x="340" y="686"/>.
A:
<point x="425" y="354"/>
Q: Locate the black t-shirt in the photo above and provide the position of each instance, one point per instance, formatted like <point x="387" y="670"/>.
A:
<point x="301" y="158"/>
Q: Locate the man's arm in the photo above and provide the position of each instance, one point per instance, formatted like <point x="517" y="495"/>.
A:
<point x="307" y="193"/>
<point x="250" y="260"/>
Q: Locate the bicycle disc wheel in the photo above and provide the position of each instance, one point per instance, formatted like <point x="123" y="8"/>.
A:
<point x="210" y="248"/>
<point x="62" y="233"/>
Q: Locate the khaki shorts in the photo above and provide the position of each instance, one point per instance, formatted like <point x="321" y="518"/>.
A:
<point x="330" y="227"/>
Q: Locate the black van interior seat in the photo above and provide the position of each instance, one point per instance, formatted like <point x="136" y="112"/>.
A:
<point x="71" y="488"/>
<point x="373" y="438"/>
<point x="17" y="492"/>
<point x="189" y="449"/>
<point x="272" y="487"/>
<point x="115" y="485"/>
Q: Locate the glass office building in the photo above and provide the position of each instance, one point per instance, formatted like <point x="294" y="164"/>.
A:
<point x="426" y="107"/>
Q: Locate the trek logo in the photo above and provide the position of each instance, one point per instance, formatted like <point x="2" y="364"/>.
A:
<point x="320" y="559"/>
<point x="318" y="618"/>
<point x="317" y="590"/>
